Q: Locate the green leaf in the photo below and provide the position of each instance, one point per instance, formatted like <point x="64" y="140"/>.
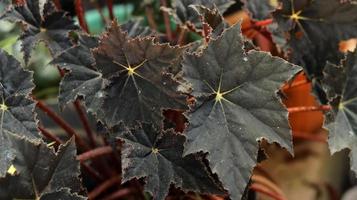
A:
<point x="236" y="106"/>
<point x="157" y="156"/>
<point x="52" y="26"/>
<point x="41" y="172"/>
<point x="141" y="84"/>
<point x="341" y="85"/>
<point x="17" y="109"/>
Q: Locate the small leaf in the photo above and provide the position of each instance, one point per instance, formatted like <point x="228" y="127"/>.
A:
<point x="342" y="120"/>
<point x="157" y="156"/>
<point x="41" y="172"/>
<point x="52" y="27"/>
<point x="16" y="108"/>
<point x="140" y="81"/>
<point x="236" y="106"/>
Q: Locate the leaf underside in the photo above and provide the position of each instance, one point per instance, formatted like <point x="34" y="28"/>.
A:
<point x="236" y="106"/>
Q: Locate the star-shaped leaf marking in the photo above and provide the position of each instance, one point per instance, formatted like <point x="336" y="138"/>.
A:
<point x="157" y="156"/>
<point x="16" y="108"/>
<point x="52" y="26"/>
<point x="236" y="106"/>
<point x="315" y="28"/>
<point x="83" y="79"/>
<point x="41" y="172"/>
<point x="341" y="85"/>
<point x="140" y="82"/>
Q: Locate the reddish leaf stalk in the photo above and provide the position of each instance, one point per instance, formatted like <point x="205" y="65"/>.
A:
<point x="309" y="108"/>
<point x="85" y="123"/>
<point x="50" y="135"/>
<point x="19" y="2"/>
<point x="80" y="14"/>
<point x="118" y="194"/>
<point x="92" y="172"/>
<point x="259" y="24"/>
<point x="182" y="36"/>
<point x="268" y="184"/>
<point x="166" y="21"/>
<point x="97" y="152"/>
<point x="260" y="189"/>
<point x="64" y="125"/>
<point x="58" y="4"/>
<point x="99" y="9"/>
<point x="85" y="167"/>
<point x="310" y="137"/>
<point x="149" y="11"/>
<point x="110" y="8"/>
<point x="104" y="186"/>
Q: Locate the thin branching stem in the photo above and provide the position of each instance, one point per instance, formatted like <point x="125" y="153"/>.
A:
<point x="85" y="123"/>
<point x="110" y="9"/>
<point x="104" y="186"/>
<point x="63" y="124"/>
<point x="50" y="135"/>
<point x="94" y="153"/>
<point x="166" y="21"/>
<point x="80" y="14"/>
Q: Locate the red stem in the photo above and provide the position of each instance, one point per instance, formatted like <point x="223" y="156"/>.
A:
<point x="19" y="2"/>
<point x="110" y="8"/>
<point x="58" y="4"/>
<point x="95" y="153"/>
<point x="63" y="124"/>
<point x="118" y="194"/>
<point x="92" y="172"/>
<point x="310" y="137"/>
<point x="166" y="21"/>
<point x="103" y="187"/>
<point x="149" y="11"/>
<point x="85" y="167"/>
<point x="85" y="123"/>
<point x="309" y="108"/>
<point x="49" y="135"/>
<point x="80" y="14"/>
<point x="258" y="188"/>
<point x="258" y="24"/>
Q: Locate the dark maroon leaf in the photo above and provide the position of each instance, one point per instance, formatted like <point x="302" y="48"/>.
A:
<point x="52" y="26"/>
<point x="157" y="156"/>
<point x="17" y="109"/>
<point x="236" y="105"/>
<point x="140" y="83"/>
<point x="41" y="172"/>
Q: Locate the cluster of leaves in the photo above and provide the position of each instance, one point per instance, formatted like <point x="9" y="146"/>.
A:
<point x="127" y="78"/>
